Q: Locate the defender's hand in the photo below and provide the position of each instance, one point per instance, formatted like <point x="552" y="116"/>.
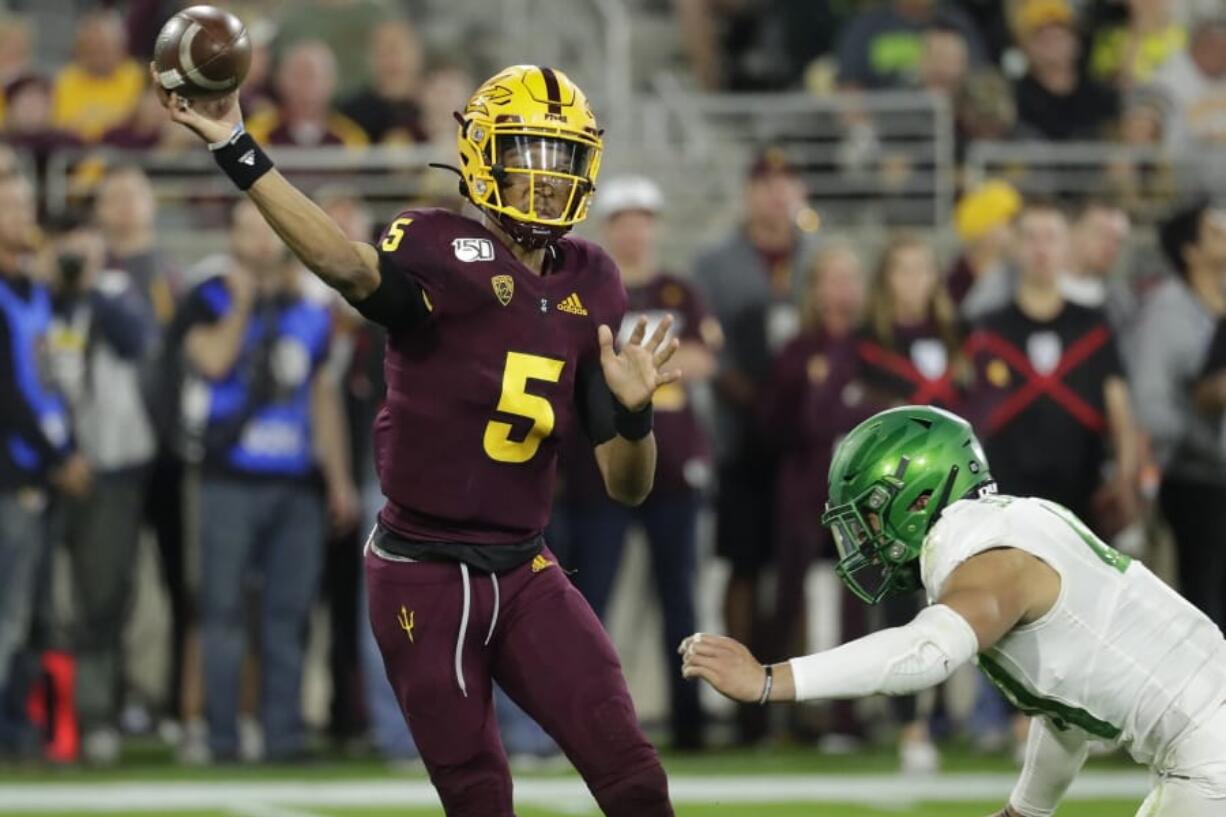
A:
<point x="725" y="664"/>
<point x="212" y="120"/>
<point x="634" y="373"/>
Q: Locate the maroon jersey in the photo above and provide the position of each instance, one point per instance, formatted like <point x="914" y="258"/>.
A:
<point x="479" y="395"/>
<point x="682" y="451"/>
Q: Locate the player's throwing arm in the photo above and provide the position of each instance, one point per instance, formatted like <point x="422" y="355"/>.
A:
<point x="206" y="102"/>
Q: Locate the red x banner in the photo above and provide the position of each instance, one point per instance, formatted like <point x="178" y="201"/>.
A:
<point x="1051" y="384"/>
<point x="940" y="390"/>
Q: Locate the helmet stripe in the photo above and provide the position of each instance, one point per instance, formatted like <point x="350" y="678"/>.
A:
<point x="553" y="93"/>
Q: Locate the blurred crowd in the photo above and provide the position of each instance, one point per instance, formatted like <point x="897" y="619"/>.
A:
<point x="223" y="409"/>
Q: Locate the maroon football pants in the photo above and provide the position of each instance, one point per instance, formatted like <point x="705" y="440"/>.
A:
<point x="447" y="632"/>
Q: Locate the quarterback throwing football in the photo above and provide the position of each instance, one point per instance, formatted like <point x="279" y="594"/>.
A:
<point x="1083" y="638"/>
<point x="498" y="341"/>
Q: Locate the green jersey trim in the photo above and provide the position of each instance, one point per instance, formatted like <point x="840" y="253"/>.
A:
<point x="1061" y="715"/>
<point x="1108" y="555"/>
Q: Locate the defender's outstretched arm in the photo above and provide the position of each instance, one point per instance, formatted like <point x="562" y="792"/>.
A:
<point x="984" y="599"/>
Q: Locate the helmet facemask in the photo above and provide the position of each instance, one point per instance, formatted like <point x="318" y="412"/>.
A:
<point x="879" y="538"/>
<point x="542" y="185"/>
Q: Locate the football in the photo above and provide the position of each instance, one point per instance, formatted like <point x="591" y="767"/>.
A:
<point x="202" y="53"/>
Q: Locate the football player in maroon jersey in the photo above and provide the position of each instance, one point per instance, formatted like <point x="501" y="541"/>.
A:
<point x="498" y="341"/>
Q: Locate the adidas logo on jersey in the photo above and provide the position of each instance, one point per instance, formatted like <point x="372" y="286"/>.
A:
<point x="572" y="305"/>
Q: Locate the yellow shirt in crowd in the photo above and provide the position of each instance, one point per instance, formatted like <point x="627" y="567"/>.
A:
<point x="89" y="106"/>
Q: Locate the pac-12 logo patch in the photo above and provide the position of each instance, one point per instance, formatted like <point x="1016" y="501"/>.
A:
<point x="473" y="249"/>
<point x="504" y="288"/>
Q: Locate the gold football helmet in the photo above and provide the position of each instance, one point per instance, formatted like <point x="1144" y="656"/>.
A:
<point x="530" y="152"/>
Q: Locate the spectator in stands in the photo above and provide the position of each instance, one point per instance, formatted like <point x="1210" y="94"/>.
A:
<point x="1180" y="410"/>
<point x="102" y="329"/>
<point x="125" y="210"/>
<point x="38" y="451"/>
<point x="751" y="280"/>
<point x="910" y="347"/>
<point x="146" y="128"/>
<point x="352" y="363"/>
<point x="344" y="25"/>
<point x="1129" y="54"/>
<point x="744" y="45"/>
<point x="1055" y="97"/>
<point x="445" y="90"/>
<point x="1182" y="107"/>
<point x="306" y="83"/>
<point x="810" y="399"/>
<point x="981" y="280"/>
<point x="16" y="47"/>
<point x="28" y="123"/>
<point x="944" y="61"/>
<point x="269" y="419"/>
<point x="388" y="109"/>
<point x="256" y="95"/>
<point x="1050" y="400"/>
<point x="1100" y="236"/>
<point x="629" y="207"/>
<point x="984" y="110"/>
<point x="910" y="353"/>
<point x="882" y="47"/>
<point x="102" y="85"/>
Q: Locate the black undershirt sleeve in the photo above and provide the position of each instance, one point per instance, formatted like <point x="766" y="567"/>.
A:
<point x="398" y="303"/>
<point x="594" y="403"/>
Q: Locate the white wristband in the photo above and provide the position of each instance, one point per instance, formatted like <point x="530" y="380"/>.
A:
<point x="239" y="130"/>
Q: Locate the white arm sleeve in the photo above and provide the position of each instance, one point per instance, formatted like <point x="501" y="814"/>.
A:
<point x="1053" y="759"/>
<point x="897" y="661"/>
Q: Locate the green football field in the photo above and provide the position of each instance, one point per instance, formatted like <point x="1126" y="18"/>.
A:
<point x="785" y="782"/>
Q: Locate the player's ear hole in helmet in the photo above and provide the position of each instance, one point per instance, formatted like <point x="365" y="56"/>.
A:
<point x="890" y="479"/>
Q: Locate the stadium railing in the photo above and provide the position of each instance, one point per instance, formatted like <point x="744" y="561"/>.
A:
<point x="1146" y="181"/>
<point x="869" y="159"/>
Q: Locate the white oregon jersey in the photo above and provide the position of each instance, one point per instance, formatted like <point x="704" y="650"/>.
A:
<point x="1120" y="655"/>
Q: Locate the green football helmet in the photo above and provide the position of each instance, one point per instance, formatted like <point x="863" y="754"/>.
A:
<point x="891" y="477"/>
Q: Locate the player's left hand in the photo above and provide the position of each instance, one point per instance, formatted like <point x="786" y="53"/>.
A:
<point x="725" y="664"/>
<point x="634" y="373"/>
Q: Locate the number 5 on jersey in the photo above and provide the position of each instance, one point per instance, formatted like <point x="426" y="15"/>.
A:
<point x="520" y="369"/>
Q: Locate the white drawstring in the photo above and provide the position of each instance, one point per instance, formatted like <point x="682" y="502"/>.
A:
<point x="497" y="604"/>
<point x="459" y="644"/>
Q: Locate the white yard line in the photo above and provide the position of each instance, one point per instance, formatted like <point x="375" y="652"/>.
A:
<point x="280" y="799"/>
<point x="266" y="810"/>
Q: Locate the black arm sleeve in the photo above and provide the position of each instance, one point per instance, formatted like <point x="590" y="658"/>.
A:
<point x="398" y="303"/>
<point x="594" y="403"/>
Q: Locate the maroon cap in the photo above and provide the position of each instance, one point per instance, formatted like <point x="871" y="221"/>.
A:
<point x="771" y="160"/>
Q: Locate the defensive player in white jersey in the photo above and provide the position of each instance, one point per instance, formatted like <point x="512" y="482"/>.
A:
<point x="1084" y="639"/>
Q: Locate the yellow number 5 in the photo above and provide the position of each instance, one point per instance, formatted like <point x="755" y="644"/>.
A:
<point x="515" y="400"/>
<point x="395" y="234"/>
